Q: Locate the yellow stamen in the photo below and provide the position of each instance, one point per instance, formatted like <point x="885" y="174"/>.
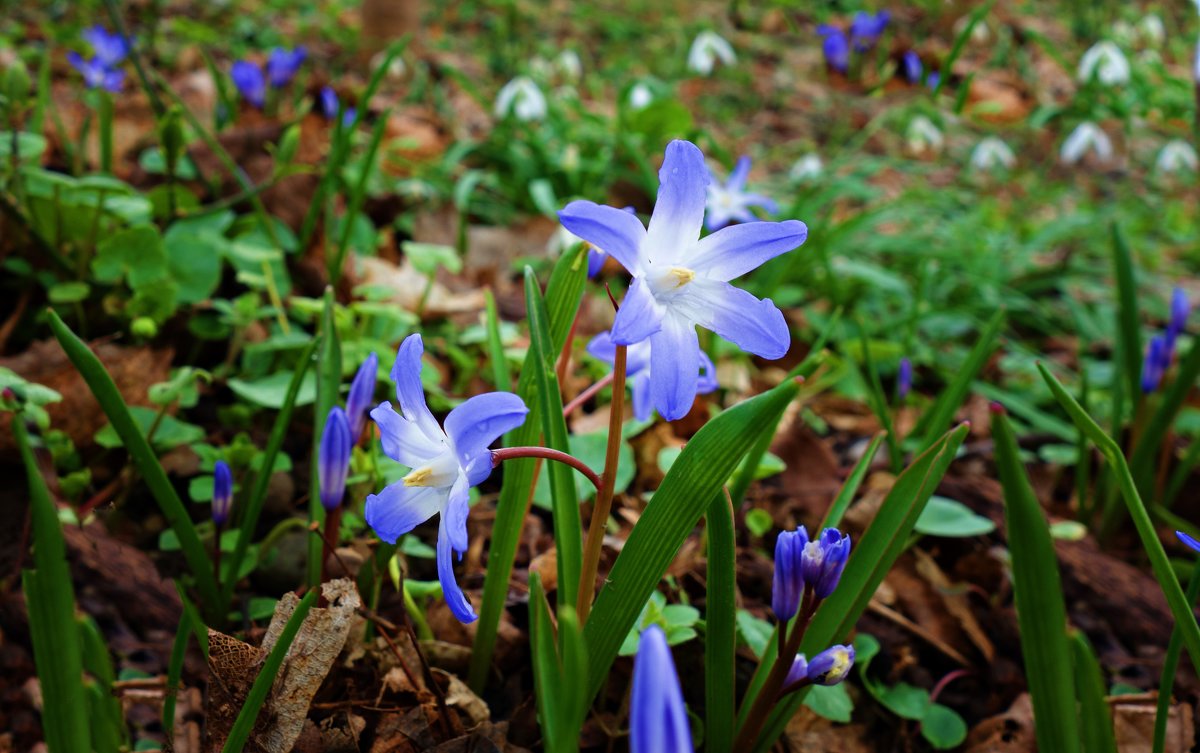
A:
<point x="418" y="477"/>
<point x="681" y="275"/>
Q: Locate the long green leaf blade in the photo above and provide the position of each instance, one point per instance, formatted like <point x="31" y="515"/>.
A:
<point x="1129" y="338"/>
<point x="720" y="621"/>
<point x="547" y="668"/>
<point x="1094" y="718"/>
<point x="935" y="420"/>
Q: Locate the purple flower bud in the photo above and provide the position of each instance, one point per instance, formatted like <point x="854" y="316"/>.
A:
<point x="904" y="378"/>
<point x="912" y="67"/>
<point x="248" y="78"/>
<point x="789" y="578"/>
<point x="658" y="721"/>
<point x="1180" y="308"/>
<point x="222" y="498"/>
<point x="110" y="49"/>
<point x="932" y="80"/>
<point x="1188" y="540"/>
<point x="333" y="458"/>
<point x="1154" y="365"/>
<point x="823" y="561"/>
<point x="362" y="393"/>
<point x="866" y="29"/>
<point x="329" y="102"/>
<point x="282" y="65"/>
<point x="831" y="665"/>
<point x="798" y="672"/>
<point x="836" y="47"/>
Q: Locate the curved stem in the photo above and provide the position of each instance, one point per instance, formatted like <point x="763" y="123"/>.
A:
<point x="545" y="453"/>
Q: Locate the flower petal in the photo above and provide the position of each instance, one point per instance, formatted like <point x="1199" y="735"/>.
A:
<point x="674" y="367"/>
<point x="403" y="441"/>
<point x="406" y="373"/>
<point x="454" y="514"/>
<point x="642" y="404"/>
<point x="478" y="422"/>
<point x="455" y="599"/>
<point x="616" y="231"/>
<point x="639" y="317"/>
<point x="754" y="326"/>
<point x="708" y="375"/>
<point x="398" y="509"/>
<point x="737" y="178"/>
<point x="602" y="348"/>
<point x="679" y="209"/>
<point x="734" y="251"/>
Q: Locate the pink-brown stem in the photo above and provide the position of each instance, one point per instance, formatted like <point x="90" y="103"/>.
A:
<point x="545" y="453"/>
<point x="588" y="394"/>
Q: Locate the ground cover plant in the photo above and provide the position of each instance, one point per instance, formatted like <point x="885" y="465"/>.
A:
<point x="626" y="376"/>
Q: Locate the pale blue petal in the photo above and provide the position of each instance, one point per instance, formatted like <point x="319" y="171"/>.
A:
<point x="478" y="422"/>
<point x="602" y="348"/>
<point x="734" y="251"/>
<point x="406" y="373"/>
<point x="674" y="367"/>
<point x="737" y="179"/>
<point x="658" y="720"/>
<point x="398" y="509"/>
<point x="708" y="375"/>
<point x="755" y="326"/>
<point x="679" y="208"/>
<point x="616" y="231"/>
<point x="643" y="406"/>
<point x="717" y="219"/>
<point x="403" y="441"/>
<point x="454" y="514"/>
<point x="455" y="598"/>
<point x="639" y="317"/>
<point x="759" y="200"/>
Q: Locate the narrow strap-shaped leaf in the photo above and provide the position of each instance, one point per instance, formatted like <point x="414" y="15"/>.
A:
<point x="240" y="732"/>
<point x="1096" y="724"/>
<point x="1041" y="613"/>
<point x="693" y="481"/>
<point x="1185" y="620"/>
<point x="568" y="543"/>
<point x="357" y="196"/>
<point x="845" y="496"/>
<point x="1166" y="683"/>
<point x="189" y="625"/>
<point x="106" y="393"/>
<point x="329" y="379"/>
<point x="563" y="294"/>
<point x="574" y="663"/>
<point x="1143" y="461"/>
<point x="547" y="668"/>
<point x="1129" y="338"/>
<point x="935" y="420"/>
<point x="501" y="379"/>
<point x="108" y="719"/>
<point x="720" y="625"/>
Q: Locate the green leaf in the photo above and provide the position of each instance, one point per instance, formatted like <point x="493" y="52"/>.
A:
<point x="501" y="379"/>
<point x="845" y="496"/>
<point x="905" y="700"/>
<point x="938" y="416"/>
<point x="548" y="675"/>
<point x="428" y="258"/>
<point x="756" y="632"/>
<point x="1094" y="717"/>
<point x="720" y="633"/>
<point x="68" y="292"/>
<point x="171" y="432"/>
<point x="134" y="255"/>
<point x="759" y="521"/>
<point x="1129" y="336"/>
<point x="943" y="727"/>
<point x="194" y="260"/>
<point x="832" y="702"/>
<point x="951" y="519"/>
<point x="590" y="448"/>
<point x="270" y="391"/>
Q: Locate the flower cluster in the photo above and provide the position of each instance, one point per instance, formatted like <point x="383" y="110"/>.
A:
<point x="252" y="81"/>
<point x="865" y="31"/>
<point x="108" y="51"/>
<point x="1160" y="351"/>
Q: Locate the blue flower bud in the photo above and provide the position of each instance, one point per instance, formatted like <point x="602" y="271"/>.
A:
<point x="362" y="394"/>
<point x="831" y="665"/>
<point x="282" y="65"/>
<point x="1180" y="308"/>
<point x="1188" y="540"/>
<point x="333" y="458"/>
<point x="823" y="561"/>
<point x="248" y="78"/>
<point x="904" y="378"/>
<point x="798" y="672"/>
<point x="222" y="498"/>
<point x="1154" y="366"/>
<point x="912" y="67"/>
<point x="658" y="721"/>
<point x="789" y="579"/>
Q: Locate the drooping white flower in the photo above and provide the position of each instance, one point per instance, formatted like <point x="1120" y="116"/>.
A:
<point x="640" y="96"/>
<point x="1106" y="62"/>
<point x="1086" y="137"/>
<point x="1151" y="30"/>
<point x="522" y="98"/>
<point x="923" y="136"/>
<point x="807" y="168"/>
<point x="707" y="47"/>
<point x="1177" y="156"/>
<point x="991" y="153"/>
<point x="569" y="65"/>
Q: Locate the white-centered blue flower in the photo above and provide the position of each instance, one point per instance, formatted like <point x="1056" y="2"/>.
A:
<point x="681" y="280"/>
<point x="731" y="202"/>
<point x="707" y="48"/>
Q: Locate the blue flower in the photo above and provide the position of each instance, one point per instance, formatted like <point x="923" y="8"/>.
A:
<point x="731" y="202"/>
<point x="912" y="67"/>
<point x="1180" y="308"/>
<point x="797" y="672"/>
<point x="330" y="105"/>
<point x="362" y="393"/>
<point x="831" y="665"/>
<point x="788" y="587"/>
<point x="932" y="80"/>
<point x="333" y="458"/>
<point x="835" y="46"/>
<point x="445" y="464"/>
<point x="248" y="78"/>
<point x="823" y="560"/>
<point x="222" y="498"/>
<point x="96" y="75"/>
<point x="1154" y="365"/>
<point x="658" y="720"/>
<point x="282" y="65"/>
<point x="637" y="370"/>
<point x="904" y="378"/>
<point x="1188" y="540"/>
<point x="681" y="280"/>
<point x="866" y="28"/>
<point x="110" y="49"/>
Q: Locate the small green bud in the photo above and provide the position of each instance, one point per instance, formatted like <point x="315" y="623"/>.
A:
<point x="144" y="327"/>
<point x="170" y="135"/>
<point x="17" y="84"/>
<point x="288" y="143"/>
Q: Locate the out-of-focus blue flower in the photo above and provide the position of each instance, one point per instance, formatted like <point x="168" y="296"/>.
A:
<point x="866" y="28"/>
<point x="333" y="458"/>
<point x="823" y="560"/>
<point x="445" y="464"/>
<point x="681" y="280"/>
<point x="831" y="665"/>
<point x="282" y="65"/>
<point x="932" y="80"/>
<point x="732" y="202"/>
<point x="637" y="370"/>
<point x="788" y="586"/>
<point x="248" y="78"/>
<point x="362" y="393"/>
<point x="798" y="671"/>
<point x="222" y="498"/>
<point x="835" y="46"/>
<point x="96" y="75"/>
<point x="1155" y="364"/>
<point x="330" y="105"/>
<point x="110" y="49"/>
<point x="904" y="378"/>
<point x="912" y="67"/>
<point x="658" y="721"/>
<point x="1188" y="540"/>
<point x="1180" y="308"/>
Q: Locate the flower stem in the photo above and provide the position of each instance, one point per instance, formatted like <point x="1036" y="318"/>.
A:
<point x="588" y="394"/>
<point x="595" y="535"/>
<point x="545" y="453"/>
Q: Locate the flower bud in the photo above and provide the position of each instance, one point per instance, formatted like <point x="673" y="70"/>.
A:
<point x="823" y="561"/>
<point x="222" y="498"/>
<point x="831" y="665"/>
<point x="798" y="672"/>
<point x="333" y="458"/>
<point x="789" y="580"/>
<point x="362" y="393"/>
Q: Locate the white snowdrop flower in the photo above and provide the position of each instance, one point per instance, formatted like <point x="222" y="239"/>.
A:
<point x="640" y="96"/>
<point x="540" y="68"/>
<point x="981" y="33"/>
<point x="923" y="136"/>
<point x="569" y="65"/>
<point x="1151" y="30"/>
<point x="707" y="47"/>
<point x="522" y="98"/>
<point x="1177" y="156"/>
<point x="1086" y="137"/>
<point x="1106" y="62"/>
<point x="1123" y="32"/>
<point x="395" y="70"/>
<point x="807" y="168"/>
<point x="991" y="153"/>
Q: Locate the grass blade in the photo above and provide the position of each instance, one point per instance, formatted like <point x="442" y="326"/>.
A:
<point x="845" y="496"/>
<point x="190" y="624"/>
<point x="1094" y="718"/>
<point x="106" y="393"/>
<point x="1129" y="338"/>
<point x="547" y="668"/>
<point x="357" y="195"/>
<point x="1041" y="613"/>
<point x="501" y="379"/>
<point x="329" y="380"/>
<point x="1166" y="684"/>
<point x="108" y="720"/>
<point x="720" y="616"/>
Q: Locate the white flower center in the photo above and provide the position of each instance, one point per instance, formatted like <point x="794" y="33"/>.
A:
<point x="440" y="471"/>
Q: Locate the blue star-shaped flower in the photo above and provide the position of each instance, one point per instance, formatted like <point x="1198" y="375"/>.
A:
<point x="637" y="371"/>
<point x="109" y="49"/>
<point x="731" y="202"/>
<point x="97" y="75"/>
<point x="248" y="78"/>
<point x="282" y="65"/>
